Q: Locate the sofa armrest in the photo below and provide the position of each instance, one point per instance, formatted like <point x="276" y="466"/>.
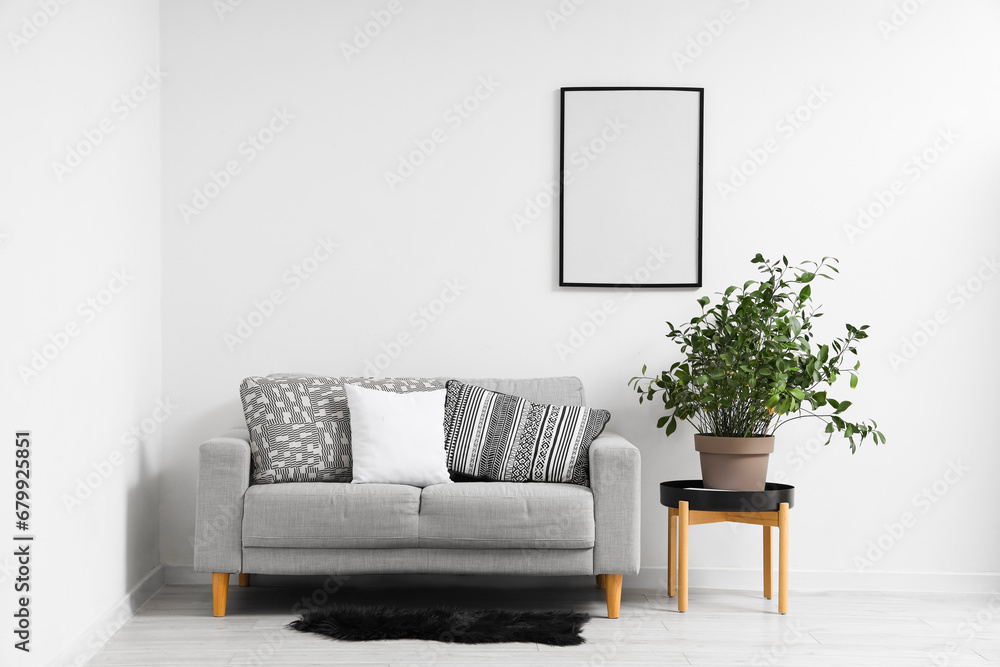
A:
<point x="614" y="479"/>
<point x="223" y="478"/>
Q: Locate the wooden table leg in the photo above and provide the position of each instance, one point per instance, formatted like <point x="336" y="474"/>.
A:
<point x="783" y="558"/>
<point x="682" y="555"/>
<point x="768" y="586"/>
<point x="672" y="552"/>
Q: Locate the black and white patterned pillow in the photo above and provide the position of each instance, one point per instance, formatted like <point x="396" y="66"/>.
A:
<point x="500" y="437"/>
<point x="300" y="426"/>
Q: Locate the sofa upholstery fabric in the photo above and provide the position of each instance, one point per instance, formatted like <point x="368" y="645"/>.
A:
<point x="331" y="515"/>
<point x="551" y="562"/>
<point x="507" y="515"/>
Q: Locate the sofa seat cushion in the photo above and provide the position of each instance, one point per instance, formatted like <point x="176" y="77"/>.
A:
<point x="506" y="515"/>
<point x="331" y="515"/>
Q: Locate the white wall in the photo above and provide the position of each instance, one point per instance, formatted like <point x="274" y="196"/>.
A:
<point x="889" y="95"/>
<point x="63" y="237"/>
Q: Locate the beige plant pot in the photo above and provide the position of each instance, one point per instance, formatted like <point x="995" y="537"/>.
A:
<point x="735" y="464"/>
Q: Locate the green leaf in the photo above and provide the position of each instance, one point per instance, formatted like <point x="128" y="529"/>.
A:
<point x="806" y="277"/>
<point x="797" y="393"/>
<point x="671" y="425"/>
<point x="730" y="290"/>
<point x="805" y="293"/>
<point x="662" y="421"/>
<point x="644" y="369"/>
<point x="704" y="301"/>
<point x="854" y="380"/>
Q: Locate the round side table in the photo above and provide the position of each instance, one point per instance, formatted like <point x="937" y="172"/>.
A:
<point x="691" y="504"/>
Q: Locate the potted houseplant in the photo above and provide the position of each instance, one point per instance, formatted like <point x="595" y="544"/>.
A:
<point x="751" y="365"/>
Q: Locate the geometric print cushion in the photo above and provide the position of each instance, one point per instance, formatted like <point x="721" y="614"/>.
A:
<point x="300" y="425"/>
<point x="505" y="438"/>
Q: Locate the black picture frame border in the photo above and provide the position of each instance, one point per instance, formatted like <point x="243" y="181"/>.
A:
<point x="701" y="183"/>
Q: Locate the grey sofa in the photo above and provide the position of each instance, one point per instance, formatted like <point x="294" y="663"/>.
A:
<point x="462" y="528"/>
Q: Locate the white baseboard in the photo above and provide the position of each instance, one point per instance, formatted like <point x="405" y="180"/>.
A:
<point x="654" y="577"/>
<point x="85" y="647"/>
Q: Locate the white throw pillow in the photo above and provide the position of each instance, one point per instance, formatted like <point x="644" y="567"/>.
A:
<point x="397" y="438"/>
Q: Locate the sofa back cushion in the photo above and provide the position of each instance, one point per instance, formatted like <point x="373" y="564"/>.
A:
<point x="300" y="429"/>
<point x="555" y="390"/>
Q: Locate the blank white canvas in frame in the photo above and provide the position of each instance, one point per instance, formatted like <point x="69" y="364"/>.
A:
<point x="631" y="187"/>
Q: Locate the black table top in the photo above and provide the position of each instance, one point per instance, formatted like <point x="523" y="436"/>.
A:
<point x="717" y="500"/>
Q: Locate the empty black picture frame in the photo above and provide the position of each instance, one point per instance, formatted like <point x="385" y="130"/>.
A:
<point x="640" y="196"/>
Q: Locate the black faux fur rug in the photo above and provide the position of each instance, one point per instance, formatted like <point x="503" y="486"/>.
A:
<point x="459" y="626"/>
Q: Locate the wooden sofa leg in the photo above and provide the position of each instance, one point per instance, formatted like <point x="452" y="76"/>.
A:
<point x="220" y="591"/>
<point x="614" y="587"/>
<point x="244" y="579"/>
<point x="602" y="581"/>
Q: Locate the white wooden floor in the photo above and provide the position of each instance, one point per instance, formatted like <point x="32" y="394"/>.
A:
<point x="720" y="628"/>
